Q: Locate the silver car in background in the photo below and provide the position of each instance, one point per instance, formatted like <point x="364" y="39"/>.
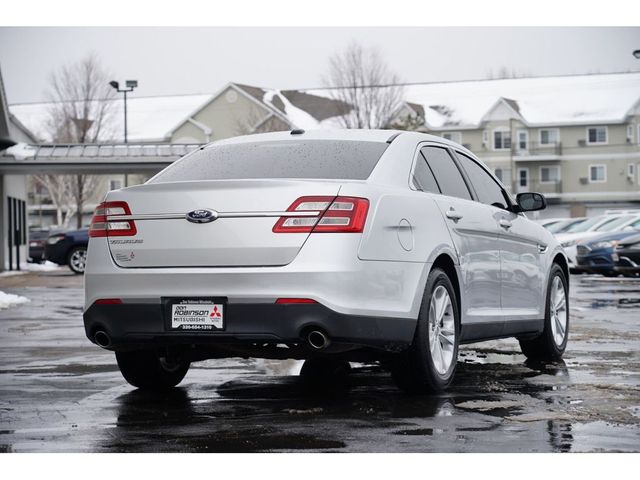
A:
<point x="327" y="246"/>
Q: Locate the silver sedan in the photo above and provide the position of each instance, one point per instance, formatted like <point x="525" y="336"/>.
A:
<point x="327" y="246"/>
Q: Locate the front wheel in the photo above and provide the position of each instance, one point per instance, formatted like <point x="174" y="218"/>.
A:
<point x="148" y="370"/>
<point x="551" y="343"/>
<point x="430" y="363"/>
<point x="77" y="259"/>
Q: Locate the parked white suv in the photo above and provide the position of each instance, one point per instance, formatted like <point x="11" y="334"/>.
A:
<point x="328" y="246"/>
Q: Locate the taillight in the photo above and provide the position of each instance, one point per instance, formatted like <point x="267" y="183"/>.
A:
<point x="105" y="221"/>
<point x="108" y="301"/>
<point x="289" y="301"/>
<point x="326" y="215"/>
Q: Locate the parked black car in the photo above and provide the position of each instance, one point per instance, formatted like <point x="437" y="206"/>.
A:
<point x="37" y="240"/>
<point x="627" y="256"/>
<point x="68" y="248"/>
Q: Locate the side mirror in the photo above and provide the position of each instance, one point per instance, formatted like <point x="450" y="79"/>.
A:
<point x="531" y="201"/>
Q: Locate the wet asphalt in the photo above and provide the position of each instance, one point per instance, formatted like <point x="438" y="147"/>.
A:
<point x="60" y="393"/>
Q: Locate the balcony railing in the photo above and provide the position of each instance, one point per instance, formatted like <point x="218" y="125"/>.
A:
<point x="537" y="149"/>
<point x="535" y="185"/>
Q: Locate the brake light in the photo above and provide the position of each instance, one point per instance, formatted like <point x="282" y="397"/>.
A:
<point x="326" y="215"/>
<point x="294" y="300"/>
<point x="108" y="301"/>
<point x="105" y="221"/>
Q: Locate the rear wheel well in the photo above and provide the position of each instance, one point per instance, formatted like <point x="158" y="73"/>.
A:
<point x="445" y="263"/>
<point x="562" y="262"/>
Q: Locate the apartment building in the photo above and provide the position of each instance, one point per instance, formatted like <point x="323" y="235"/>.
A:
<point x="574" y="138"/>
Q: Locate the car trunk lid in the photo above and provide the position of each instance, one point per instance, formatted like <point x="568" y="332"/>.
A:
<point x="240" y="235"/>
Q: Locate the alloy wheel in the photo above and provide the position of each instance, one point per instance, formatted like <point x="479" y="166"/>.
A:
<point x="442" y="331"/>
<point x="558" y="310"/>
<point x="78" y="260"/>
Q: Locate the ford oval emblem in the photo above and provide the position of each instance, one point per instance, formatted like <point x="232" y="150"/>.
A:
<point x="202" y="215"/>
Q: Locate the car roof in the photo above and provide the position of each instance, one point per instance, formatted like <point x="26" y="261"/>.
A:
<point x="362" y="135"/>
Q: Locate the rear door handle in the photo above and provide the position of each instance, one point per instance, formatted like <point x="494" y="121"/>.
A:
<point x="453" y="215"/>
<point x="505" y="223"/>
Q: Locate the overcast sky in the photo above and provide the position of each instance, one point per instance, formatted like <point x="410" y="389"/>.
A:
<point x="201" y="60"/>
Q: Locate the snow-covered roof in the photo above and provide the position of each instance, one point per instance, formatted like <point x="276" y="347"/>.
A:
<point x="541" y="101"/>
<point x="149" y="118"/>
<point x="578" y="99"/>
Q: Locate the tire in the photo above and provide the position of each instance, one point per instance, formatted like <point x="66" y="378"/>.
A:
<point x="146" y="370"/>
<point x="428" y="367"/>
<point x="552" y="342"/>
<point x="77" y="259"/>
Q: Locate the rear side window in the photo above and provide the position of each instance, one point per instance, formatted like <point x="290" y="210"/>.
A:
<point x="487" y="189"/>
<point x="446" y="172"/>
<point x="423" y="177"/>
<point x="322" y="159"/>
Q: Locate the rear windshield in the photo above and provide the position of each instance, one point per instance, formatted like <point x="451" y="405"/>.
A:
<point x="320" y="159"/>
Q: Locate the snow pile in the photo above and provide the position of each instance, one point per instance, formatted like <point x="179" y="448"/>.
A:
<point x="9" y="300"/>
<point x="32" y="267"/>
<point x="40" y="267"/>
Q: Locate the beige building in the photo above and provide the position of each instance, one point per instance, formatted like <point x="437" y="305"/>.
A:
<point x="574" y="138"/>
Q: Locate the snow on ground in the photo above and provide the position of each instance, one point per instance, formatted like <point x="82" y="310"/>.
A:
<point x="32" y="267"/>
<point x="9" y="300"/>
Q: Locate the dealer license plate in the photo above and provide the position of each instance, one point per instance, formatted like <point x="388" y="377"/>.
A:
<point x="196" y="314"/>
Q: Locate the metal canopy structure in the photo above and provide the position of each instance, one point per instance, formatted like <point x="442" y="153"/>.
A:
<point x="93" y="159"/>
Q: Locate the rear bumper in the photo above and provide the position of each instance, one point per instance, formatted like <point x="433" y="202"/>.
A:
<point x="131" y="325"/>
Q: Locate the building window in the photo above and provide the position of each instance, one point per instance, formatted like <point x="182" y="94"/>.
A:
<point x="485" y="137"/>
<point x="549" y="174"/>
<point x="523" y="140"/>
<point x="596" y="135"/>
<point x="115" y="184"/>
<point x="453" y="136"/>
<point x="597" y="173"/>
<point x="501" y="139"/>
<point x="630" y="133"/>
<point x="523" y="178"/>
<point x="549" y="136"/>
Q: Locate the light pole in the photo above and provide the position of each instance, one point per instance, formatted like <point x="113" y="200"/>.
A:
<point x="131" y="84"/>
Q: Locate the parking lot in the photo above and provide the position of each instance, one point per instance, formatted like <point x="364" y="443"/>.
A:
<point x="58" y="392"/>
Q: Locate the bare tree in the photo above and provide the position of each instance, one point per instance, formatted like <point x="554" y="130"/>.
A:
<point x="80" y="112"/>
<point x="505" y="73"/>
<point x="360" y="79"/>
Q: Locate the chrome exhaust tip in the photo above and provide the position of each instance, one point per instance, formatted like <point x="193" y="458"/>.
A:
<point x="102" y="339"/>
<point x="317" y="339"/>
